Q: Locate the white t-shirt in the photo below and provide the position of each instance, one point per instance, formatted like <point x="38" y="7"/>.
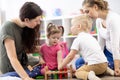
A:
<point x="89" y="48"/>
<point x="110" y="36"/>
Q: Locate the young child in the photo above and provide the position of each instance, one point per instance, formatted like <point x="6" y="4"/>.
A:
<point x="51" y="54"/>
<point x="87" y="45"/>
<point x="62" y="44"/>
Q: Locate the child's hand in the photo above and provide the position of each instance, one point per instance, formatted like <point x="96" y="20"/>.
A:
<point x="60" y="67"/>
<point x="43" y="70"/>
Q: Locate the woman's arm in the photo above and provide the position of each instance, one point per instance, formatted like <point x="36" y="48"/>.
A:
<point x="115" y="44"/>
<point x="68" y="58"/>
<point x="11" y="52"/>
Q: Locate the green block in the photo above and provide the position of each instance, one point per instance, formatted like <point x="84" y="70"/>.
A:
<point x="40" y="77"/>
<point x="55" y="76"/>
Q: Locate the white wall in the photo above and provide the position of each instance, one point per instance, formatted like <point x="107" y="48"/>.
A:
<point x="115" y="5"/>
<point x="67" y="6"/>
<point x="12" y="7"/>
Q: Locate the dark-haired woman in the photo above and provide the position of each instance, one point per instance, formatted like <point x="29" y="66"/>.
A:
<point x="19" y="37"/>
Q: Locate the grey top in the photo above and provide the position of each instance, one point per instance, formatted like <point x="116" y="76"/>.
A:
<point x="12" y="31"/>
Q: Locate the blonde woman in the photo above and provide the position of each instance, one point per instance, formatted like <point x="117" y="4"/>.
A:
<point x="109" y="34"/>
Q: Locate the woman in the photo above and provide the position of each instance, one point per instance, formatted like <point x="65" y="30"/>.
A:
<point x="18" y="37"/>
<point x="109" y="34"/>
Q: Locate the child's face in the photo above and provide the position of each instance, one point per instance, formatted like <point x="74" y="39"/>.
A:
<point x="54" y="39"/>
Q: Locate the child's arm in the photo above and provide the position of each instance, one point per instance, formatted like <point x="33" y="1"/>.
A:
<point x="68" y="58"/>
<point x="59" y="58"/>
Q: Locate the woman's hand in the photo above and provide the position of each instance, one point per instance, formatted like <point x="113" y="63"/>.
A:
<point x="117" y="69"/>
<point x="117" y="72"/>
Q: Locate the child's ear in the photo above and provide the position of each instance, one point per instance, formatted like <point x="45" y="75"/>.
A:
<point x="47" y="36"/>
<point x="79" y="26"/>
<point x="95" y="6"/>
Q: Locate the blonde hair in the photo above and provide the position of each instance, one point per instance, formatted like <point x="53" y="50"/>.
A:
<point x="84" y="20"/>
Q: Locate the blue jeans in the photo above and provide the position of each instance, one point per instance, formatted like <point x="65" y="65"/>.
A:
<point x="35" y="72"/>
<point x="79" y="62"/>
<point x="109" y="58"/>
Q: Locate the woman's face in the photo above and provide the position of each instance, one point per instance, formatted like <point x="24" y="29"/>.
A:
<point x="33" y="22"/>
<point x="91" y="11"/>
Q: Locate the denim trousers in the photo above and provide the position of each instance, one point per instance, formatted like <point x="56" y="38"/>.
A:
<point x="33" y="73"/>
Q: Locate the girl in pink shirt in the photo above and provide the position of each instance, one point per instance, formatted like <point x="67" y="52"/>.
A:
<point x="51" y="54"/>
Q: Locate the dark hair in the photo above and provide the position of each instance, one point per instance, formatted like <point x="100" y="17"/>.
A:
<point x="102" y="4"/>
<point x="62" y="29"/>
<point x="30" y="36"/>
<point x="52" y="29"/>
<point x="30" y="10"/>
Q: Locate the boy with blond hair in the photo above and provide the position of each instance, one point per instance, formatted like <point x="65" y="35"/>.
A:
<point x="88" y="46"/>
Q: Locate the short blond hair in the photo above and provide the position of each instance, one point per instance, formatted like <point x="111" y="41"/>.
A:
<point x="84" y="20"/>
